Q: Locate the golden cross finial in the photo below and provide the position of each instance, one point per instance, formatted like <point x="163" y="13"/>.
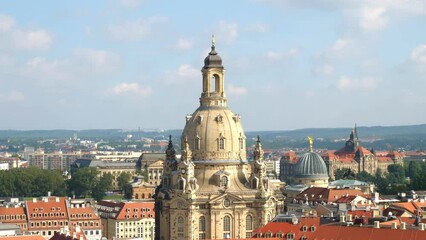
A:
<point x="310" y="140"/>
<point x="212" y="40"/>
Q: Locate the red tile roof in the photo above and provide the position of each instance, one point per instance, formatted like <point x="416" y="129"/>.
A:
<point x="47" y="208"/>
<point x="24" y="237"/>
<point x="327" y="195"/>
<point x="13" y="211"/>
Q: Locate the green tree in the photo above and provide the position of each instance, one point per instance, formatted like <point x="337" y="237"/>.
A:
<point x="365" y="177"/>
<point x="83" y="181"/>
<point x="128" y="191"/>
<point x="123" y="179"/>
<point x="344" y="173"/>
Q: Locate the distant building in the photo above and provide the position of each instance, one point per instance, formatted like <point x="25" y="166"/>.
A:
<point x="49" y="215"/>
<point x="153" y="164"/>
<point x="127" y="220"/>
<point x="352" y="156"/>
<point x="52" y="161"/>
<point x="142" y="189"/>
<point x="114" y="168"/>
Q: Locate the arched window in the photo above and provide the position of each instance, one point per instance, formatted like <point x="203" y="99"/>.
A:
<point x="202" y="228"/>
<point x="197" y="143"/>
<point x="227" y="227"/>
<point x="202" y="224"/>
<point x="180" y="184"/>
<point x="221" y="143"/>
<point x="241" y="143"/>
<point x="180" y="227"/>
<point x="249" y="222"/>
<point x="224" y="181"/>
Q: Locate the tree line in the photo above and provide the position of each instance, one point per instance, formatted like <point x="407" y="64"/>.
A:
<point x="85" y="182"/>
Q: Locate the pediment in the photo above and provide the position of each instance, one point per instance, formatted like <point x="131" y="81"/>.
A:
<point x="230" y="196"/>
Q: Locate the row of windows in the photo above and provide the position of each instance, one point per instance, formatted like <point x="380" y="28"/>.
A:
<point x="12" y="217"/>
<point x="49" y="223"/>
<point x="137" y="210"/>
<point x="220" y="143"/>
<point x="84" y="215"/>
<point x="56" y="214"/>
<point x="142" y="216"/>
<point x="42" y="209"/>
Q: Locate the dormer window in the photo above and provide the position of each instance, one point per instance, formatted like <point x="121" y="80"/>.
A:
<point x="304" y="228"/>
<point x="290" y="236"/>
<point x="219" y="119"/>
<point x="224" y="181"/>
<point x="221" y="143"/>
<point x="313" y="228"/>
<point x="197" y="143"/>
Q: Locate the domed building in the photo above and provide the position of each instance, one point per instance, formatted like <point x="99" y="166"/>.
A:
<point x="212" y="191"/>
<point x="311" y="170"/>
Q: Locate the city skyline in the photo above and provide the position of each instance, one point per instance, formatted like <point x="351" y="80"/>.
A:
<point x="289" y="64"/>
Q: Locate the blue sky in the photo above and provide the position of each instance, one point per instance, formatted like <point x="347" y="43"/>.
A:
<point x="136" y="63"/>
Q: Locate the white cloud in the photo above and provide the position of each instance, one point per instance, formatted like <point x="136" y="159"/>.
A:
<point x="184" y="74"/>
<point x="418" y="54"/>
<point x="81" y="66"/>
<point x="135" y="30"/>
<point x="130" y="3"/>
<point x="130" y="88"/>
<point x="12" y="96"/>
<point x="227" y="32"/>
<point x="6" y="23"/>
<point x="373" y="18"/>
<point x="236" y="91"/>
<point x="274" y="55"/>
<point x="184" y="44"/>
<point x="346" y="84"/>
<point x="22" y="39"/>
<point x="32" y="40"/>
<point x="258" y="28"/>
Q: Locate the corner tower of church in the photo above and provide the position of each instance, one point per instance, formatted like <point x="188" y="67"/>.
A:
<point x="212" y="191"/>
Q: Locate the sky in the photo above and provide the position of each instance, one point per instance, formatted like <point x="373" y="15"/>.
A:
<point x="290" y="64"/>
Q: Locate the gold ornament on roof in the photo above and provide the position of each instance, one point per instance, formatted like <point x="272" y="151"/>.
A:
<point x="310" y="140"/>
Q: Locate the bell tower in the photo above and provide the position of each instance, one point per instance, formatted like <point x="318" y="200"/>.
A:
<point x="213" y="93"/>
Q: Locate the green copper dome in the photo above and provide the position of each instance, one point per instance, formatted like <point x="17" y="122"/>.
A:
<point x="311" y="165"/>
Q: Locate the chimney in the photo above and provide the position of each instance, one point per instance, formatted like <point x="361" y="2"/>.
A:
<point x="394" y="225"/>
<point x="57" y="199"/>
<point x="34" y="200"/>
<point x="403" y="225"/>
<point x="376" y="224"/>
<point x="342" y="219"/>
<point x="421" y="226"/>
<point x="49" y="193"/>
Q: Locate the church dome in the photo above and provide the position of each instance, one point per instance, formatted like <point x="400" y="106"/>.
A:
<point x="213" y="59"/>
<point x="311" y="165"/>
<point x="213" y="131"/>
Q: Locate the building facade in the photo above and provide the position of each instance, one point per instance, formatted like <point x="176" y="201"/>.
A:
<point x="127" y="220"/>
<point x="212" y="191"/>
<point x="352" y="156"/>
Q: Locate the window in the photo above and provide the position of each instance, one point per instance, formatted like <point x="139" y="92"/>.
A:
<point x="180" y="228"/>
<point x="268" y="235"/>
<point x="202" y="224"/>
<point x="180" y="184"/>
<point x="290" y="236"/>
<point x="304" y="228"/>
<point x="249" y="234"/>
<point x="224" y="181"/>
<point x="221" y="143"/>
<point x="180" y="225"/>
<point x="249" y="222"/>
<point x="313" y="228"/>
<point x="227" y="224"/>
<point x="241" y="143"/>
<point x="197" y="143"/>
<point x="202" y="235"/>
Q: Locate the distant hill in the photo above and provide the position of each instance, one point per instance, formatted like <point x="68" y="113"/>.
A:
<point x="363" y="132"/>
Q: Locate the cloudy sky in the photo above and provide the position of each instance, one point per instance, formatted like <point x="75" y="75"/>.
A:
<point x="136" y="63"/>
